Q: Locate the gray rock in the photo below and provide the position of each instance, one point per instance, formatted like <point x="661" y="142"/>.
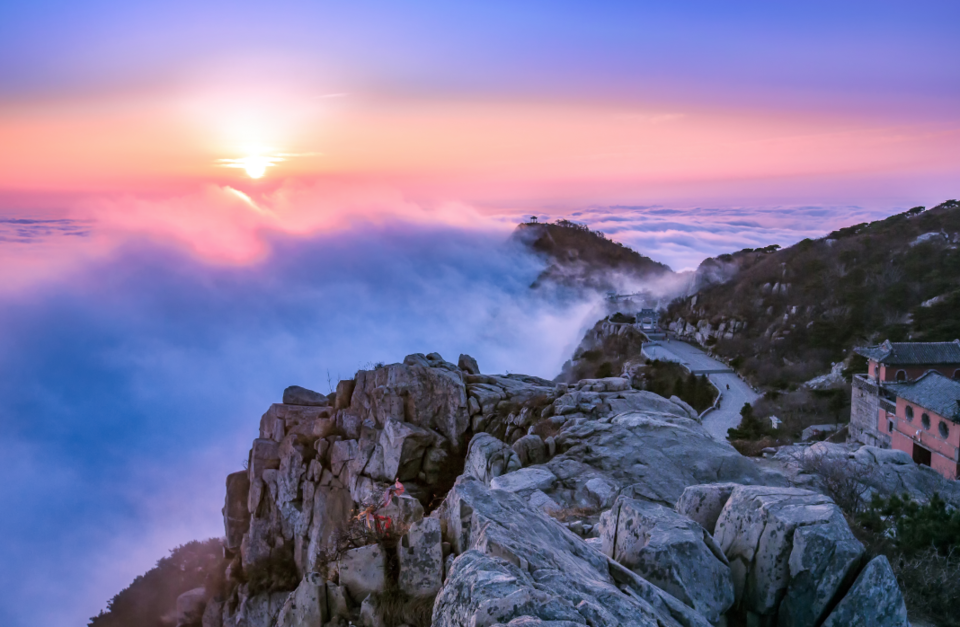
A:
<point x="814" y="431"/>
<point x="421" y="559"/>
<point x="488" y="457"/>
<point x="468" y="364"/>
<point x="873" y="601"/>
<point x="515" y="563"/>
<point x="305" y="607"/>
<point x="403" y="445"/>
<point x="525" y="480"/>
<point x="264" y="455"/>
<point x="190" y="607"/>
<point x="703" y="503"/>
<point x="337" y="605"/>
<point x="362" y="571"/>
<point x="344" y="393"/>
<point x="530" y="449"/>
<point x="236" y="514"/>
<point x="431" y="396"/>
<point x="691" y="412"/>
<point x="296" y="395"/>
<point x="756" y="532"/>
<point x="650" y="456"/>
<point x="670" y="551"/>
<point x="332" y="509"/>
<point x="824" y="559"/>
<point x="256" y="611"/>
<point x="213" y="614"/>
<point x="403" y="510"/>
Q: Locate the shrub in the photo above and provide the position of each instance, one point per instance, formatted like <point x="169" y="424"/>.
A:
<point x="922" y="543"/>
<point x="751" y="426"/>
<point x="274" y="573"/>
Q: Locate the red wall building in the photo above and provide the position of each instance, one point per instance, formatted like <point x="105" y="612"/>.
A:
<point x="926" y="424"/>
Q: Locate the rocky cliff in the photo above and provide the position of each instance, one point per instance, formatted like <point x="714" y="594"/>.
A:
<point x="425" y="493"/>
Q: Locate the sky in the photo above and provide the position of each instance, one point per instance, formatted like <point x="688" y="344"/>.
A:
<point x="204" y="202"/>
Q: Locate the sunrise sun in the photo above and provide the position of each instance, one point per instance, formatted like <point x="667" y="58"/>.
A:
<point x="254" y="165"/>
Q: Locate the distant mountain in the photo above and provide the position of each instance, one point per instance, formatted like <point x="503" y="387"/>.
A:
<point x="580" y="258"/>
<point x="785" y="315"/>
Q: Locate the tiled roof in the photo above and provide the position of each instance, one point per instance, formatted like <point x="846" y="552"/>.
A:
<point x="649" y="312"/>
<point x="932" y="391"/>
<point x="917" y="353"/>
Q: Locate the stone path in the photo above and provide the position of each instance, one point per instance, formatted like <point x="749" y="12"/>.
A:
<point x="727" y="415"/>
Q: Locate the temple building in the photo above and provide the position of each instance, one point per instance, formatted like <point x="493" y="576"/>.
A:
<point x="925" y="420"/>
<point x="888" y="364"/>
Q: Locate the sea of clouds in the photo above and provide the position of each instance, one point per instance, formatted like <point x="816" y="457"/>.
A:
<point x="132" y="379"/>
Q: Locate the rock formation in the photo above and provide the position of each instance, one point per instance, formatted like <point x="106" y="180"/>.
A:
<point x="425" y="492"/>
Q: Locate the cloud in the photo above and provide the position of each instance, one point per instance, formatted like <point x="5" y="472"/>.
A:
<point x="129" y="389"/>
<point x="683" y="237"/>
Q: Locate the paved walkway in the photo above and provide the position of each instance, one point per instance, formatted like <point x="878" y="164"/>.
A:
<point x="727" y="415"/>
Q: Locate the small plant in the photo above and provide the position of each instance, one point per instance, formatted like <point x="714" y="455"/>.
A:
<point x="567" y="514"/>
<point x="844" y="479"/>
<point x="274" y="573"/>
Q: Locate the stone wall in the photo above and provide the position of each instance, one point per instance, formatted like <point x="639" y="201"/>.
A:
<point x="864" y="411"/>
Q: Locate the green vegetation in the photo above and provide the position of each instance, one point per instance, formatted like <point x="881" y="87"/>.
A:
<point x="152" y="597"/>
<point x="751" y="427"/>
<point x="274" y="573"/>
<point x="922" y="542"/>
<point x="861" y="284"/>
<point x="669" y="379"/>
<point x="580" y="258"/>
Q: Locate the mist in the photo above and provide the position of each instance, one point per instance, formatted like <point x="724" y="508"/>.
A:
<point x="131" y="389"/>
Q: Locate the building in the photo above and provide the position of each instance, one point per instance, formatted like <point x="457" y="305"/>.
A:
<point x="925" y="422"/>
<point x="649" y="320"/>
<point x="905" y="361"/>
<point x="887" y="364"/>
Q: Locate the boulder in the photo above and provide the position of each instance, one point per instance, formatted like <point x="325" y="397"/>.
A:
<point x="873" y="601"/>
<point x="190" y="607"/>
<point x="530" y="449"/>
<point x="824" y="559"/>
<point x="305" y="607"/>
<point x="488" y="457"/>
<point x="516" y="564"/>
<point x="362" y="571"/>
<point x="757" y="532"/>
<point x="670" y="551"/>
<point x="703" y="503"/>
<point x="236" y="514"/>
<point x="430" y="396"/>
<point x="525" y="480"/>
<point x="296" y="395"/>
<point x="421" y="559"/>
<point x="344" y="392"/>
<point x="654" y="457"/>
<point x="264" y="455"/>
<point x="403" y="510"/>
<point x="403" y="445"/>
<point x="468" y="364"/>
<point x="213" y="614"/>
<point x="332" y="510"/>
<point x="257" y="611"/>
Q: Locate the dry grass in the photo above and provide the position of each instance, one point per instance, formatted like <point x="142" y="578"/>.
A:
<point x="568" y="514"/>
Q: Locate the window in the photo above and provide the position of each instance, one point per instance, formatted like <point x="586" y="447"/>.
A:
<point x="925" y="421"/>
<point x="944" y="430"/>
<point x="901" y="375"/>
<point x="889" y="426"/>
<point x="909" y="414"/>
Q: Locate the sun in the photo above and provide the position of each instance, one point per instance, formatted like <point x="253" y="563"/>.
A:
<point x="254" y="165"/>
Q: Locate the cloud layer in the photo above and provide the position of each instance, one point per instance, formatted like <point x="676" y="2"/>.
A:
<point x="130" y="390"/>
